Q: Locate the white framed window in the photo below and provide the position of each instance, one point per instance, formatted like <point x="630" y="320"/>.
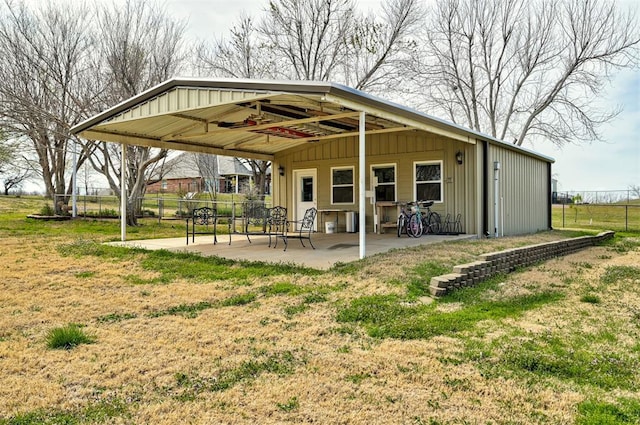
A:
<point x="164" y="185"/>
<point x="342" y="185"/>
<point x="427" y="177"/>
<point x="386" y="185"/>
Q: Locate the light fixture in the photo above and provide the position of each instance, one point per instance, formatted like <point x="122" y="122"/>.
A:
<point x="281" y="170"/>
<point x="459" y="157"/>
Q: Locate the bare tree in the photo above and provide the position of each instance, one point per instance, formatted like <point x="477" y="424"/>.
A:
<point x="44" y="57"/>
<point x="242" y="55"/>
<point x="314" y="40"/>
<point x="13" y="171"/>
<point x="208" y="169"/>
<point x="141" y="46"/>
<point x="377" y="46"/>
<point x="308" y="36"/>
<point x="517" y="69"/>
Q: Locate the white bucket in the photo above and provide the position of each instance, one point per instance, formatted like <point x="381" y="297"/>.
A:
<point x="330" y="227"/>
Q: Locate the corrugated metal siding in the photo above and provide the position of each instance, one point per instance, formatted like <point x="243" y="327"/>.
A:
<point x="523" y="192"/>
<point x="181" y="99"/>
<point x="402" y="149"/>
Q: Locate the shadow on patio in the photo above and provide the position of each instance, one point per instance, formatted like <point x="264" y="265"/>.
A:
<point x="330" y="248"/>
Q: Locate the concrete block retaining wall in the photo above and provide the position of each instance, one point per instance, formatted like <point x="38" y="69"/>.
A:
<point x="509" y="260"/>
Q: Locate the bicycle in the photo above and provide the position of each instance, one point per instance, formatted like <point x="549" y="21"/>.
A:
<point x="422" y="223"/>
<point x="403" y="221"/>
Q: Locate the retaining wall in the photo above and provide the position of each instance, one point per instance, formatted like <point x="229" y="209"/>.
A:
<point x="509" y="260"/>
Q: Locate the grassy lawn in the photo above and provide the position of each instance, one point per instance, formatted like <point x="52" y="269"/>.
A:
<point x="91" y="333"/>
<point x="617" y="217"/>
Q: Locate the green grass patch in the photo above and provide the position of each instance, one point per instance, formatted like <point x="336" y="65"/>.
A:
<point x="282" y="364"/>
<point x="418" y="285"/>
<point x="83" y="247"/>
<point x="590" y="299"/>
<point x="388" y="316"/>
<point x="622" y="243"/>
<point x="291" y="405"/>
<point x="241" y="299"/>
<point x="193" y="310"/>
<point x="358" y="378"/>
<point x="135" y="279"/>
<point x="187" y="310"/>
<point x="116" y="317"/>
<point x="614" y="274"/>
<point x="578" y="359"/>
<point x="68" y="337"/>
<point x="206" y="269"/>
<point x="188" y="266"/>
<point x="596" y="412"/>
<point x="98" y="412"/>
<point x="292" y="310"/>
<point x="282" y="288"/>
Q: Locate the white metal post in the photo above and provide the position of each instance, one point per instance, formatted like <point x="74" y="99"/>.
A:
<point x="74" y="184"/>
<point x="362" y="189"/>
<point x="123" y="193"/>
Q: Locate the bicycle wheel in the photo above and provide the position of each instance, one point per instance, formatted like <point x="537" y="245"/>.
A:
<point x="401" y="224"/>
<point x="414" y="228"/>
<point x="434" y="223"/>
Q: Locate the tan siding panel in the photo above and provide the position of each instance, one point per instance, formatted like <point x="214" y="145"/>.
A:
<point x="523" y="192"/>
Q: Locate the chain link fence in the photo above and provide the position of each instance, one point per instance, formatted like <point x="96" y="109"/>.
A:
<point x="617" y="210"/>
<point x="157" y="207"/>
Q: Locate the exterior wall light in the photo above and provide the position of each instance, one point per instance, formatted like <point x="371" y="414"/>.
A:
<point x="281" y="170"/>
<point x="459" y="157"/>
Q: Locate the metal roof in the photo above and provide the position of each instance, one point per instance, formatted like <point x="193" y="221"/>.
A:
<point x="258" y="118"/>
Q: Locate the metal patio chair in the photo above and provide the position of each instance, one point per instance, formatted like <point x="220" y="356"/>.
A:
<point x="304" y="231"/>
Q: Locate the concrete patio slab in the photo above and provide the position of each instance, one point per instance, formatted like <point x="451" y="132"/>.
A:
<point x="330" y="248"/>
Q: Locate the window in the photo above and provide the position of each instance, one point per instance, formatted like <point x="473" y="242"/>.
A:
<point x="428" y="181"/>
<point x="386" y="189"/>
<point x="307" y="189"/>
<point x="342" y="185"/>
<point x="164" y="185"/>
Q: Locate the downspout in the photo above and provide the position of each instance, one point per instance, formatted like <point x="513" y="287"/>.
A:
<point x="496" y="192"/>
<point x="549" y="198"/>
<point x="123" y="193"/>
<point x="485" y="188"/>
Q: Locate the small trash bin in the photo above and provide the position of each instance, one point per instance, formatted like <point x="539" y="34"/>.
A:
<point x="330" y="227"/>
<point x="352" y="221"/>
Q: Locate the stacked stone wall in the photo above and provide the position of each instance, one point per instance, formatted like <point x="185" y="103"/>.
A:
<point x="509" y="260"/>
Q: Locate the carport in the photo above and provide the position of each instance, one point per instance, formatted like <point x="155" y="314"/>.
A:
<point x="299" y="125"/>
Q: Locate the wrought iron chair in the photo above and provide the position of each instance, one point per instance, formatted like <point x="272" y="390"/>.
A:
<point x="304" y="231"/>
<point x="203" y="222"/>
<point x="276" y="223"/>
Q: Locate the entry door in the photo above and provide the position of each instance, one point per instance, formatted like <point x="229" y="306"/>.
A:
<point x="305" y="192"/>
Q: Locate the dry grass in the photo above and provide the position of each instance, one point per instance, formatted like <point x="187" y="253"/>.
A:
<point x="307" y="368"/>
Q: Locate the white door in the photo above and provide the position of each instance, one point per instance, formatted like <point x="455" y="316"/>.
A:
<point x="305" y="193"/>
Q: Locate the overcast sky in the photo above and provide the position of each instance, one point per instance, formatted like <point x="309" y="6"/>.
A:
<point x="612" y="165"/>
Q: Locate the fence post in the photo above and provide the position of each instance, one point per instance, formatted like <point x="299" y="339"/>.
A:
<point x="626" y="218"/>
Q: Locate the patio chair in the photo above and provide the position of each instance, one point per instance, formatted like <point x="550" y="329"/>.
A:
<point x="203" y="222"/>
<point x="276" y="223"/>
<point x="304" y="231"/>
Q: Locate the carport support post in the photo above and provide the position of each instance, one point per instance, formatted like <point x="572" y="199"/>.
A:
<point x="361" y="184"/>
<point x="123" y="193"/>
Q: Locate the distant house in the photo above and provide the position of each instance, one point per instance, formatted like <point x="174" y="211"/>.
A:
<point x="222" y="174"/>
